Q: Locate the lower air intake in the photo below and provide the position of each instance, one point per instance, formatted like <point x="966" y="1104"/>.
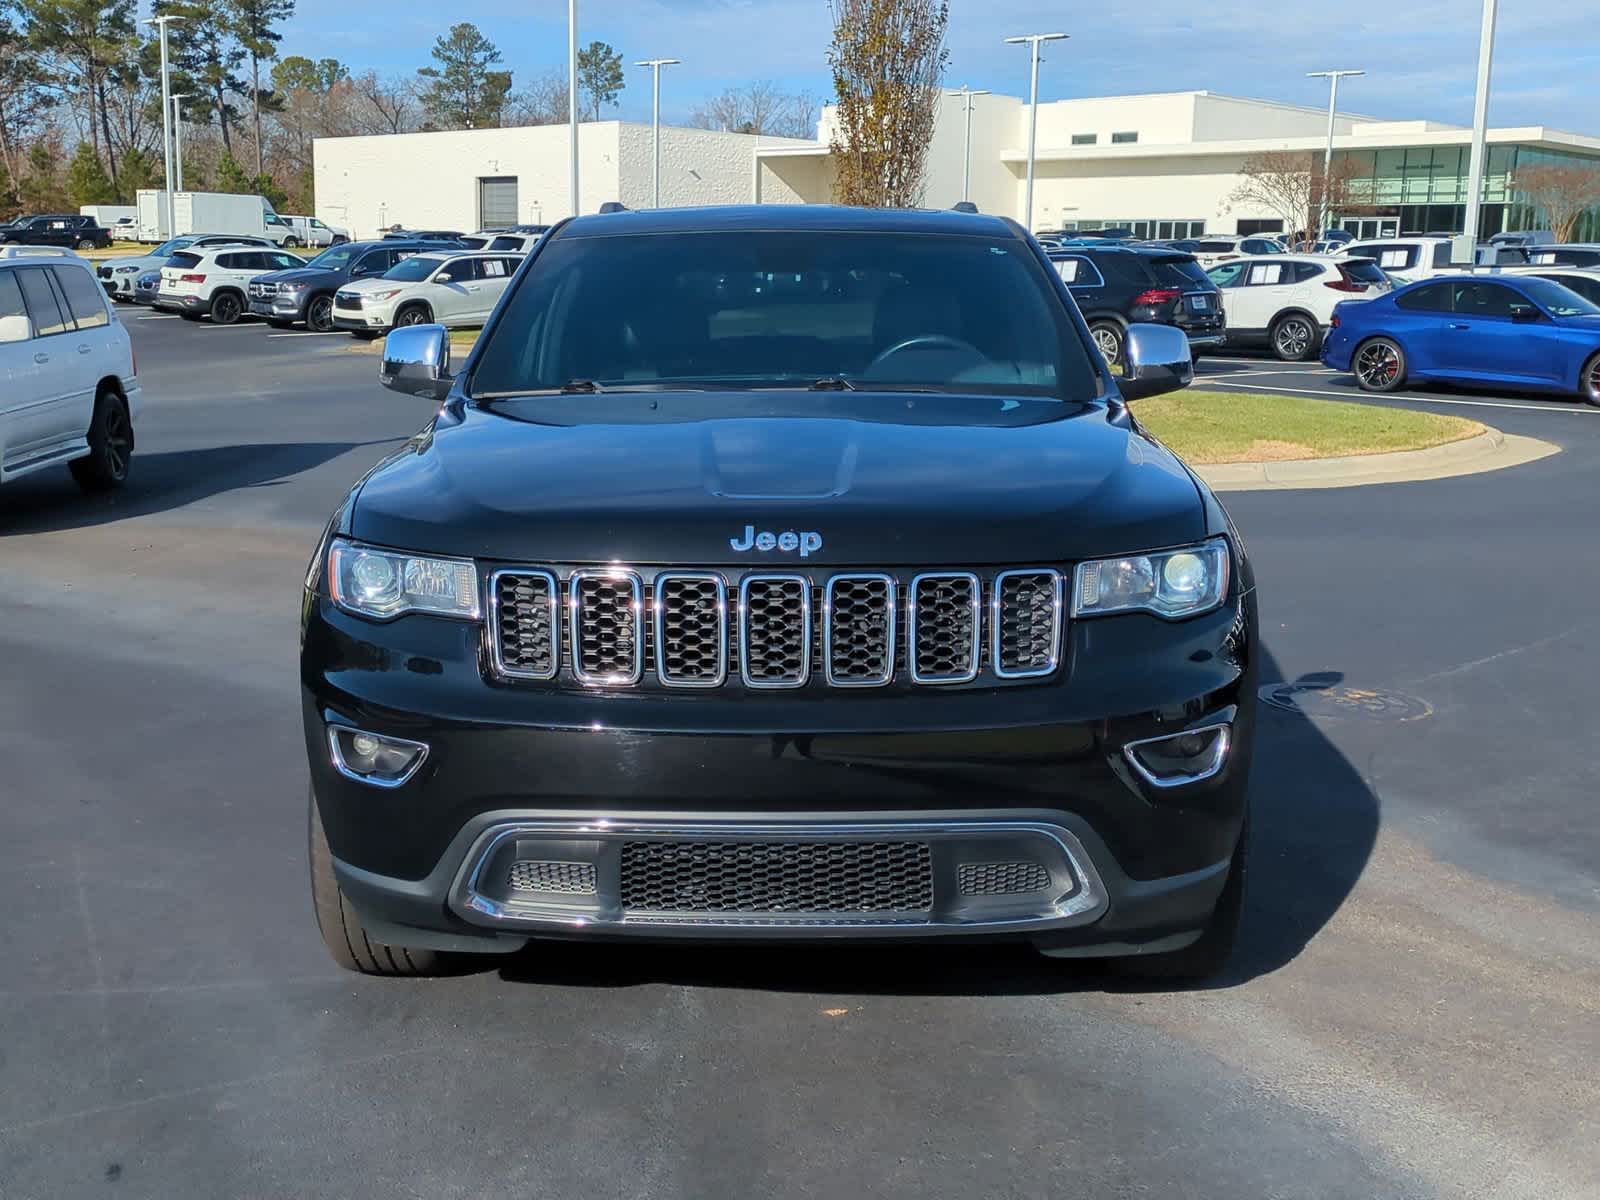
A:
<point x="574" y="878"/>
<point x="1001" y="879"/>
<point x="776" y="877"/>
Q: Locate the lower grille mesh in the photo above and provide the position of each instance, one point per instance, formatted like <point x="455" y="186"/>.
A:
<point x="573" y="878"/>
<point x="1001" y="879"/>
<point x="777" y="877"/>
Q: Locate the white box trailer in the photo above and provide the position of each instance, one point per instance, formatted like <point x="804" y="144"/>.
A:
<point x="207" y="212"/>
<point x="109" y="215"/>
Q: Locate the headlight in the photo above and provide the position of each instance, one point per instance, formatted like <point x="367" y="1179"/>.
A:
<point x="386" y="294"/>
<point x="127" y="270"/>
<point x="291" y="287"/>
<point x="384" y="584"/>
<point x="1173" y="583"/>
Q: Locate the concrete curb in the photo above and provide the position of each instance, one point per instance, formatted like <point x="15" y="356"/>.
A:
<point x="1490" y="450"/>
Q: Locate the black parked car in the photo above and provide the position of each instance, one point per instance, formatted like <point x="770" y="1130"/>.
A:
<point x="780" y="573"/>
<point x="56" y="229"/>
<point x="425" y="235"/>
<point x="306" y="293"/>
<point x="1117" y="286"/>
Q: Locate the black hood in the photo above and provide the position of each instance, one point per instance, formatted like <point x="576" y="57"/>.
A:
<point x="483" y="485"/>
<point x="313" y="275"/>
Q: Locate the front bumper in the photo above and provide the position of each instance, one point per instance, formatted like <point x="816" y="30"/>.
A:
<point x="281" y="307"/>
<point x="366" y="321"/>
<point x="1022" y="775"/>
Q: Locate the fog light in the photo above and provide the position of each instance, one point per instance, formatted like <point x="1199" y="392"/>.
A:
<point x="374" y="758"/>
<point x="1175" y="759"/>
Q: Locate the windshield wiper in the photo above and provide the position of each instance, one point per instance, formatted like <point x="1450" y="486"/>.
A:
<point x="833" y="383"/>
<point x="587" y="387"/>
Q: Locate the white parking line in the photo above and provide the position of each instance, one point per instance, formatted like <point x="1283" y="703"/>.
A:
<point x="157" y="318"/>
<point x="1577" y="409"/>
<point x="309" y="333"/>
<point x="1243" y="374"/>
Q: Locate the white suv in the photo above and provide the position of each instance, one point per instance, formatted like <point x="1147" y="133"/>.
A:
<point x="212" y="282"/>
<point x="1407" y="260"/>
<point x="69" y="387"/>
<point x="1286" y="301"/>
<point x="1211" y="249"/>
<point x="447" y="289"/>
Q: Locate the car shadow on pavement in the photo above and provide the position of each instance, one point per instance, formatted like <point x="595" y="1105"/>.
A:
<point x="1314" y="821"/>
<point x="50" y="500"/>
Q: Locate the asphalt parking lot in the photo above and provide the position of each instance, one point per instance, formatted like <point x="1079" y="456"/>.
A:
<point x="1415" y="1010"/>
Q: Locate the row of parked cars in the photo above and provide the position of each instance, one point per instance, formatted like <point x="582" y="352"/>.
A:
<point x="365" y="288"/>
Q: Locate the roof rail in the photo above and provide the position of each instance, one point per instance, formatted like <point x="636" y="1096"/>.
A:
<point x="964" y="206"/>
<point x="30" y="251"/>
<point x="613" y="206"/>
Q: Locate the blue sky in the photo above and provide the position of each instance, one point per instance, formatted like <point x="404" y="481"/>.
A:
<point x="1421" y="62"/>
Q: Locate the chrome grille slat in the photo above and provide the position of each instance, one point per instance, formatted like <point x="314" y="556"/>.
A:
<point x="944" y="627"/>
<point x="775" y="630"/>
<point x="691" y="629"/>
<point x="858" y="620"/>
<point x="1025" y="623"/>
<point x="605" y="616"/>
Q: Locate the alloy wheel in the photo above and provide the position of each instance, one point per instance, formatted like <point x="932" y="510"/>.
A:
<point x="1591" y="389"/>
<point x="225" y="311"/>
<point x="119" y="441"/>
<point x="1293" y="339"/>
<point x="1107" y="341"/>
<point x="411" y="316"/>
<point x="319" y="316"/>
<point x="1377" y="365"/>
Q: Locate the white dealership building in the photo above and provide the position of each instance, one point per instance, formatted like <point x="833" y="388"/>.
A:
<point x="1162" y="165"/>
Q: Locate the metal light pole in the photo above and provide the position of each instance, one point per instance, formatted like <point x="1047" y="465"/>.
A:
<point x="166" y="124"/>
<point x="967" y="95"/>
<point x="655" y="64"/>
<point x="572" y="96"/>
<point x="1333" y="78"/>
<point x="1036" y="39"/>
<point x="1467" y="247"/>
<point x="177" y="134"/>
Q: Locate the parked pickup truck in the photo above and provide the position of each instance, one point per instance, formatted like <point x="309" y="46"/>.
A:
<point x="309" y="231"/>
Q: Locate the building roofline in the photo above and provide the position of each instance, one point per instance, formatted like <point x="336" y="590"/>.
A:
<point x="1536" y="135"/>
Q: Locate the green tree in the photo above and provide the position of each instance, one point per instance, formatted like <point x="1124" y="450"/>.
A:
<point x="299" y="73"/>
<point x="25" y="101"/>
<point x="206" y="52"/>
<point x="231" y="176"/>
<point x="139" y="170"/>
<point x="888" y="59"/>
<point x="599" y="78"/>
<point x="87" y="181"/>
<point x="462" y="91"/>
<point x="83" y="39"/>
<point x="254" y="23"/>
<point x="41" y="189"/>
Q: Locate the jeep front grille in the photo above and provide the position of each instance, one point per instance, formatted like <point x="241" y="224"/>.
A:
<point x="776" y="877"/>
<point x="682" y="629"/>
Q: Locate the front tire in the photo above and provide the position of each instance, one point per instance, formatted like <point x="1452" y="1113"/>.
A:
<point x="340" y="924"/>
<point x="225" y="308"/>
<point x="291" y="243"/>
<point x="85" y="243"/>
<point x="1379" y="365"/>
<point x="1108" y="337"/>
<point x="319" y="314"/>
<point x="414" y="314"/>
<point x="110" y="446"/>
<point x="1294" y="337"/>
<point x="1589" y="386"/>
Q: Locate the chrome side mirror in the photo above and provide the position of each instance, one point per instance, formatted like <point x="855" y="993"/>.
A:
<point x="1155" y="359"/>
<point x="416" y="361"/>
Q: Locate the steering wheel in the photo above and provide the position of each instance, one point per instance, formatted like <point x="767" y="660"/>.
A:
<point x="937" y="341"/>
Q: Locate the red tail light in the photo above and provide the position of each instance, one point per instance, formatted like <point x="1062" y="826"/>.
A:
<point x="1156" y="296"/>
<point x="191" y="278"/>
<point x="1345" y="285"/>
<point x="1333" y="323"/>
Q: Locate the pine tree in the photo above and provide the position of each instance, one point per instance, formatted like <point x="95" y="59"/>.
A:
<point x="41" y="189"/>
<point x="139" y="170"/>
<point x="87" y="181"/>
<point x="231" y="176"/>
<point x="462" y="91"/>
<point x="253" y="22"/>
<point x="599" y="77"/>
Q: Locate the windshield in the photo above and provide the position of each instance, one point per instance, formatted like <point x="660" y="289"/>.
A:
<point x="1559" y="301"/>
<point x="171" y="247"/>
<point x="417" y="267"/>
<point x="334" y="259"/>
<point x="787" y="309"/>
<point x="1363" y="270"/>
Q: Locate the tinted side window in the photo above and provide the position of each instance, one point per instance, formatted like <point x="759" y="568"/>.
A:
<point x="1586" y="287"/>
<point x="40" y="297"/>
<point x="1306" y="272"/>
<point x="1228" y="274"/>
<point x="505" y="243"/>
<point x="375" y="262"/>
<point x="1265" y="274"/>
<point x="84" y="297"/>
<point x="1078" y="272"/>
<point x="1487" y="300"/>
<point x="490" y="268"/>
<point x="10" y="296"/>
<point x="1435" y="297"/>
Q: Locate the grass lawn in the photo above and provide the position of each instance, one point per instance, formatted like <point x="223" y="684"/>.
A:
<point x="1222" y="427"/>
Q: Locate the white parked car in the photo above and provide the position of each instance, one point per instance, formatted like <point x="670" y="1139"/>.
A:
<point x="1407" y="259"/>
<point x="119" y="276"/>
<point x="212" y="282"/>
<point x="1212" y="249"/>
<point x="1583" y="280"/>
<point x="512" y="243"/>
<point x="442" y="288"/>
<point x="69" y="388"/>
<point x="309" y="231"/>
<point x="1286" y="301"/>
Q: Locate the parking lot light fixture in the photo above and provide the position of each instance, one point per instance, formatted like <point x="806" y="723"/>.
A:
<point x="572" y="99"/>
<point x="177" y="135"/>
<point x="967" y="96"/>
<point x="1466" y="248"/>
<point x="166" y="123"/>
<point x="1035" y="40"/>
<point x="1324" y="213"/>
<point x="655" y="65"/>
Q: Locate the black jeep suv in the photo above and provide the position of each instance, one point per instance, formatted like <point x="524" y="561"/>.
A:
<point x="1117" y="286"/>
<point x="780" y="573"/>
<point x="56" y="229"/>
<point x="306" y="293"/>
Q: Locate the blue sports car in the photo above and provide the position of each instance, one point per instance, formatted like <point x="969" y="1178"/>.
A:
<point x="1504" y="331"/>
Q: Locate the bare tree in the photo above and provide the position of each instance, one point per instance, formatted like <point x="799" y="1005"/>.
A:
<point x="1564" y="191"/>
<point x="542" y="102"/>
<point x="888" y="59"/>
<point x="383" y="105"/>
<point x="760" y="107"/>
<point x="1290" y="185"/>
